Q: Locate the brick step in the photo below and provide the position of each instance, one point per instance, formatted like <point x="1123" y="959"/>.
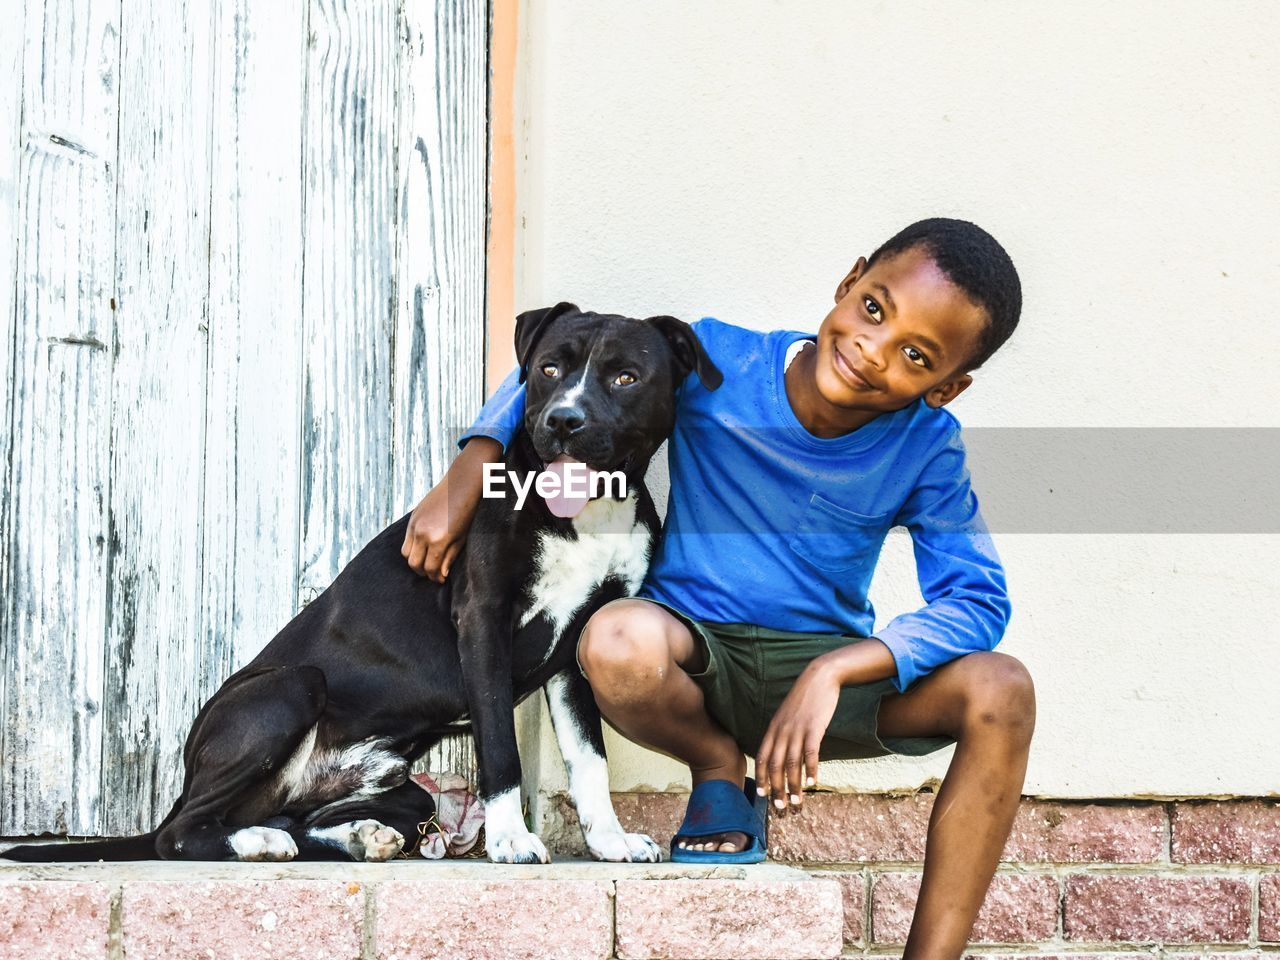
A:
<point x="414" y="909"/>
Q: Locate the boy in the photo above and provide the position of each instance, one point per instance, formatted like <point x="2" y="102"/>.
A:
<point x="752" y="631"/>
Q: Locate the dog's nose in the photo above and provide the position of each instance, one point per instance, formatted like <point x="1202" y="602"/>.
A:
<point x="566" y="420"/>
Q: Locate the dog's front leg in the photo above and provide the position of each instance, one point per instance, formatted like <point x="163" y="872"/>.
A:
<point x="484" y="643"/>
<point x="576" y="720"/>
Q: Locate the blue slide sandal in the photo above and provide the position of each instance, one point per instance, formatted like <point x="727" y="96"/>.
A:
<point x="717" y="806"/>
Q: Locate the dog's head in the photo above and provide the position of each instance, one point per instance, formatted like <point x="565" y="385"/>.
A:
<point x="600" y="388"/>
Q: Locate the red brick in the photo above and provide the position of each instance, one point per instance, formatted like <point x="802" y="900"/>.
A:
<point x="1245" y="831"/>
<point x="54" y="920"/>
<point x="656" y="814"/>
<point x="1019" y="908"/>
<point x="242" y="920"/>
<point x="1269" y="908"/>
<point x="505" y="919"/>
<point x="1157" y="909"/>
<point x="1086" y="833"/>
<point x="852" y="828"/>
<point x="868" y="828"/>
<point x="677" y="919"/>
<point x="853" y="891"/>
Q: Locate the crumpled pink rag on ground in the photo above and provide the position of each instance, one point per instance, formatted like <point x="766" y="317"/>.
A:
<point x="459" y="814"/>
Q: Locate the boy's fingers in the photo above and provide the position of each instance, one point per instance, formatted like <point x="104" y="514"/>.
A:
<point x="432" y="564"/>
<point x="447" y="563"/>
<point x="811" y="762"/>
<point x="794" y="794"/>
<point x="778" y="780"/>
<point x="762" y="764"/>
<point x="417" y="556"/>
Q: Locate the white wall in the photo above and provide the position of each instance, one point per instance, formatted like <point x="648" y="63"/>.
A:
<point x="733" y="159"/>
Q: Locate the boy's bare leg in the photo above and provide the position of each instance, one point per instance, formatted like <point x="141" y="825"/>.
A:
<point x="635" y="655"/>
<point x="987" y="702"/>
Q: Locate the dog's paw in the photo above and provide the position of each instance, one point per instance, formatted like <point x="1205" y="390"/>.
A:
<point x="620" y="847"/>
<point x="515" y="847"/>
<point x="374" y="842"/>
<point x="256" y="844"/>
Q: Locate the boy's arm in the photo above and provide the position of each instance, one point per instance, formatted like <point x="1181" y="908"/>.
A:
<point x="967" y="608"/>
<point x="961" y="578"/>
<point x="439" y="523"/>
<point x="501" y="415"/>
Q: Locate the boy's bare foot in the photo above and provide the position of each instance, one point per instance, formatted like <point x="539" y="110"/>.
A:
<point x="721" y="843"/>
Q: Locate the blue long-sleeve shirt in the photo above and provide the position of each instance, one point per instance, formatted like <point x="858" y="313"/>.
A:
<point x="768" y="524"/>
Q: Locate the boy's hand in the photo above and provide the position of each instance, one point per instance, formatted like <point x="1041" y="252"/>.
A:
<point x="790" y="745"/>
<point x="438" y="525"/>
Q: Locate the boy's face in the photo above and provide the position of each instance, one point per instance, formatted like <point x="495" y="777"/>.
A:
<point x="900" y="330"/>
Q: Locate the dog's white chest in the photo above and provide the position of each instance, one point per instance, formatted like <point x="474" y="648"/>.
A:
<point x="610" y="543"/>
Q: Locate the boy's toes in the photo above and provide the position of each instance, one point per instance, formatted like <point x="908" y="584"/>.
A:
<point x="723" y="843"/>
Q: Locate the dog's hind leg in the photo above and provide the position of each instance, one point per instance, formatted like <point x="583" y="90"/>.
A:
<point x="576" y="720"/>
<point x="363" y="828"/>
<point x="244" y="737"/>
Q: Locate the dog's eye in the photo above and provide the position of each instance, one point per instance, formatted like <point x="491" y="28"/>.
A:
<point x="550" y="370"/>
<point x="624" y="379"/>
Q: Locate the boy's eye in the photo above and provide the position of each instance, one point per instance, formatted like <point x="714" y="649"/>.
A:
<point x="873" y="308"/>
<point x="624" y="379"/>
<point x="550" y="370"/>
<point x="916" y="357"/>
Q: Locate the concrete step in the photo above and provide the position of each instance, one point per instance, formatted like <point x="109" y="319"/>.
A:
<point x="410" y="909"/>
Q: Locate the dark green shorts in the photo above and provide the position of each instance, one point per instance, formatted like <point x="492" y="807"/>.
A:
<point x="750" y="670"/>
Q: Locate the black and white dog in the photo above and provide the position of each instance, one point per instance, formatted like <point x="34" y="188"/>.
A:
<point x="306" y="751"/>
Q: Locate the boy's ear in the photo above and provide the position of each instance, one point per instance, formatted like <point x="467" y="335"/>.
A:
<point x="847" y="283"/>
<point x="944" y="393"/>
<point x="688" y="351"/>
<point x="530" y="326"/>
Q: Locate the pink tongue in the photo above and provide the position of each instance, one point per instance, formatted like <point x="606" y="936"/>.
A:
<point x="568" y="503"/>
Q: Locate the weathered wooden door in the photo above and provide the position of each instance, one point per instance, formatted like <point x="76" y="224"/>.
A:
<point x="242" y="310"/>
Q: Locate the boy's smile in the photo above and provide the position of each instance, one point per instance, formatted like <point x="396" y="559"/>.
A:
<point x="900" y="330"/>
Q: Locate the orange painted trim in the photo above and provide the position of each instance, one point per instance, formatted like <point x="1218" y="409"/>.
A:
<point x="500" y="264"/>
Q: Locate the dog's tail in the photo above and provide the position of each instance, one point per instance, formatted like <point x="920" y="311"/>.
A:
<point x="126" y="848"/>
<point x="142" y="847"/>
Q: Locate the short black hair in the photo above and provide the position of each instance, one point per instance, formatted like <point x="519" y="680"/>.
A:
<point x="975" y="262"/>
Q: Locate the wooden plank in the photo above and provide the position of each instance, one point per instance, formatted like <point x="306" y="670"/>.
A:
<point x="252" y="446"/>
<point x="348" y="284"/>
<point x="440" y="234"/>
<point x="157" y="659"/>
<point x="11" y="64"/>
<point x="439" y="343"/>
<point x="55" y="530"/>
<point x="181" y="469"/>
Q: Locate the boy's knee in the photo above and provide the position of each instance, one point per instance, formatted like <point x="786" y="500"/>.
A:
<point x="999" y="693"/>
<point x="624" y="646"/>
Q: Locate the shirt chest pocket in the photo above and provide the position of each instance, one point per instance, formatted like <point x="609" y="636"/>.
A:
<point x="834" y="538"/>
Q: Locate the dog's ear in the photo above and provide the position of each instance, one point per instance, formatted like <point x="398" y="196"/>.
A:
<point x="530" y="326"/>
<point x="688" y="350"/>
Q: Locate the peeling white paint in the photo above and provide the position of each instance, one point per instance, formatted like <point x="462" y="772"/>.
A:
<point x="244" y="330"/>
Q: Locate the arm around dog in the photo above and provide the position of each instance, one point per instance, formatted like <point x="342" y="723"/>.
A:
<point x="501" y="415"/>
<point x="439" y="523"/>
